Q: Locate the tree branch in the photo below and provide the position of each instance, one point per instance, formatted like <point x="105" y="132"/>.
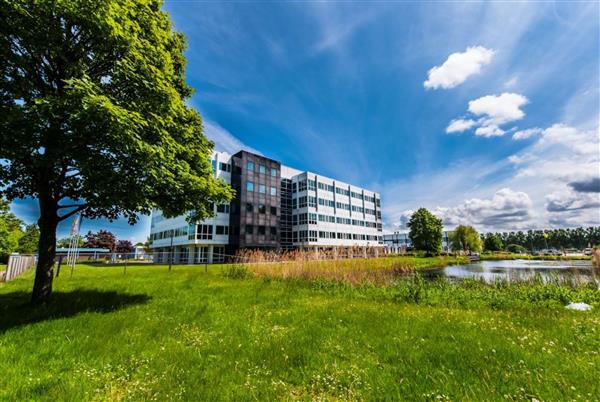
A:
<point x="73" y="212"/>
<point x="71" y="206"/>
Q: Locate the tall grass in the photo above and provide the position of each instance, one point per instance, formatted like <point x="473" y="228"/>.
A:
<point x="325" y="265"/>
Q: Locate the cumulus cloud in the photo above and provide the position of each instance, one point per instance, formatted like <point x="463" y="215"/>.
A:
<point x="458" y="67"/>
<point x="524" y="134"/>
<point x="506" y="208"/>
<point x="491" y="112"/>
<point x="224" y="140"/>
<point x="489" y="131"/>
<point x="459" y="125"/>
<point x="499" y="109"/>
<point x="591" y="185"/>
<point x="561" y="201"/>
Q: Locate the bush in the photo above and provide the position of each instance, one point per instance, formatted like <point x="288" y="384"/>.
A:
<point x="237" y="271"/>
<point x="516" y="248"/>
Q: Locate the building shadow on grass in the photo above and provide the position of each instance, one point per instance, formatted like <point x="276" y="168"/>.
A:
<point x="16" y="311"/>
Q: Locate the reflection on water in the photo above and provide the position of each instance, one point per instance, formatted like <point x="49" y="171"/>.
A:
<point x="516" y="270"/>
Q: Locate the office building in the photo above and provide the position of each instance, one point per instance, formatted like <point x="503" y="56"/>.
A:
<point x="275" y="208"/>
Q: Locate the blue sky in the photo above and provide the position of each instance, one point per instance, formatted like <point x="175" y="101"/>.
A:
<point x="486" y="113"/>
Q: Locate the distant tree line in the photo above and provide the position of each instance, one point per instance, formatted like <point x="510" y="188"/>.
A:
<point x="425" y="233"/>
<point x="578" y="238"/>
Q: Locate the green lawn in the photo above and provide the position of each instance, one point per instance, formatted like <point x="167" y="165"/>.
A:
<point x="151" y="334"/>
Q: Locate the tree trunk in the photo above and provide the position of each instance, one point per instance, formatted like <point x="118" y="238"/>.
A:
<point x="44" y="273"/>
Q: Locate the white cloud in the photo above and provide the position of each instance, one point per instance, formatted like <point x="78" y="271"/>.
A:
<point x="224" y="140"/>
<point x="489" y="131"/>
<point x="459" y="125"/>
<point x="524" y="134"/>
<point x="499" y="109"/>
<point x="492" y="111"/>
<point x="458" y="67"/>
<point x="506" y="209"/>
<point x="569" y="200"/>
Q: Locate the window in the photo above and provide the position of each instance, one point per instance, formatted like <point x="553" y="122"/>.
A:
<point x="312" y="219"/>
<point x="273" y="172"/>
<point x="225" y="167"/>
<point x="312" y="201"/>
<point x="302" y="219"/>
<point x="262" y="169"/>
<point x="262" y="188"/>
<point x="249" y="229"/>
<point x="342" y="191"/>
<point x="249" y="207"/>
<point x="204" y="232"/>
<point x="214" y="165"/>
<point x="273" y="190"/>
<point x="294" y="187"/>
<point x="262" y="209"/>
<point x="261" y="230"/>
<point x="302" y="201"/>
<point x="312" y="185"/>
<point x="250" y="166"/>
<point x="273" y="210"/>
<point x="222" y="230"/>
<point x="294" y="219"/>
<point x="302" y="185"/>
<point x="249" y="186"/>
<point x="326" y="203"/>
<point x="223" y="208"/>
<point x="294" y="203"/>
<point x="273" y="230"/>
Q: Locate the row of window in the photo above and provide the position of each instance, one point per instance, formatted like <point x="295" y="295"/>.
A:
<point x="313" y="236"/>
<point x="260" y="208"/>
<point x="302" y="185"/>
<point x="261" y="230"/>
<point x="166" y="234"/>
<point x="261" y="168"/>
<point x="311" y="219"/>
<point x="262" y="189"/>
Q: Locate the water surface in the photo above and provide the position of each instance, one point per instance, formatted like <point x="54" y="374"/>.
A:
<point x="516" y="270"/>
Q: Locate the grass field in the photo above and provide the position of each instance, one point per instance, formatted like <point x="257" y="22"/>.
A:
<point x="228" y="334"/>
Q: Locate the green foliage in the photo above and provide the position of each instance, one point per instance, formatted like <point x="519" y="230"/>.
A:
<point x="465" y="238"/>
<point x="10" y="231"/>
<point x="516" y="248"/>
<point x="492" y="242"/>
<point x="66" y="242"/>
<point x="28" y="243"/>
<point x="236" y="271"/>
<point x="426" y="232"/>
<point x="94" y="99"/>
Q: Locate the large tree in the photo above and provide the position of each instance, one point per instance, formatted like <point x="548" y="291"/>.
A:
<point x="465" y="238"/>
<point x="94" y="119"/>
<point x="425" y="231"/>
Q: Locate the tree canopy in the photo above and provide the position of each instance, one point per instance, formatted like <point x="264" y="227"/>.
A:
<point x="425" y="231"/>
<point x="94" y="118"/>
<point x="465" y="238"/>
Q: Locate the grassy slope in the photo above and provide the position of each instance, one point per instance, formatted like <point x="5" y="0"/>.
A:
<point x="186" y="334"/>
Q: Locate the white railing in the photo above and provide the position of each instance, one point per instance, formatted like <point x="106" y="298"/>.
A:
<point x="18" y="264"/>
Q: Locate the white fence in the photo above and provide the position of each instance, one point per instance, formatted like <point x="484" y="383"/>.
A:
<point x="17" y="264"/>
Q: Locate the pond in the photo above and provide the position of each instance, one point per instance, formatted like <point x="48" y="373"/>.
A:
<point x="518" y="270"/>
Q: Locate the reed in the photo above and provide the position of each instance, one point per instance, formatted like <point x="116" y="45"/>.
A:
<point x="352" y="266"/>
